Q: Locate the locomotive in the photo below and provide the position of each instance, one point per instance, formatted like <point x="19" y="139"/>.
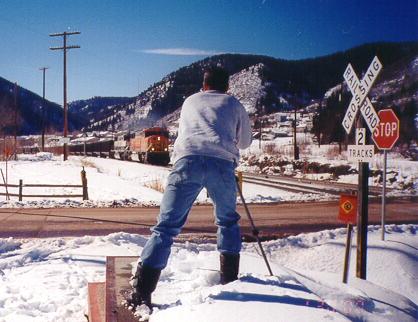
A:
<point x="148" y="146"/>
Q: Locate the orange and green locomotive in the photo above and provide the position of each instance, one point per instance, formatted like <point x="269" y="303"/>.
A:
<point x="151" y="146"/>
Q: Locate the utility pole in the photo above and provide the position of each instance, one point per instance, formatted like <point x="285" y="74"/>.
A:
<point x="261" y="131"/>
<point x="15" y="121"/>
<point x="64" y="48"/>
<point x="295" y="146"/>
<point x="340" y="141"/>
<point x="43" y="108"/>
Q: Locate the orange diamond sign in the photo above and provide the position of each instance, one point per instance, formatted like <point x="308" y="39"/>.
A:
<point x="348" y="209"/>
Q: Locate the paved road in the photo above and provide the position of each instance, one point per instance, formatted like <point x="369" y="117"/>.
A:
<point x="274" y="220"/>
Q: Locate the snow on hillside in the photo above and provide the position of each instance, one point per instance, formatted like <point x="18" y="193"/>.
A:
<point x="247" y="87"/>
<point x="136" y="115"/>
<point x="332" y="91"/>
<point x="400" y="85"/>
<point x="46" y="279"/>
<point x="139" y="115"/>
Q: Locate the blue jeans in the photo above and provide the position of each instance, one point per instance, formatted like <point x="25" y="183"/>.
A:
<point x="187" y="178"/>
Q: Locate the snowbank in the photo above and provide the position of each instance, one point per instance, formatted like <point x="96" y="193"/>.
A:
<point x="40" y="156"/>
<point x="46" y="279"/>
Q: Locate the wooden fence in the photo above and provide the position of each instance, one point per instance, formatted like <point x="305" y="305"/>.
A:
<point x="21" y="185"/>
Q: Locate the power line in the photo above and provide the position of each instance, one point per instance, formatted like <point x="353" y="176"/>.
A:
<point x="64" y="48"/>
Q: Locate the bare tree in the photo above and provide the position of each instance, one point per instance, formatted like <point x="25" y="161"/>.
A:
<point x="6" y="121"/>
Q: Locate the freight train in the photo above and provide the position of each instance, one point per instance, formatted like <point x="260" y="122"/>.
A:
<point x="148" y="146"/>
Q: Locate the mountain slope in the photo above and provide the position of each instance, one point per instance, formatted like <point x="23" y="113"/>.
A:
<point x="264" y="84"/>
<point x="29" y="115"/>
<point x="96" y="108"/>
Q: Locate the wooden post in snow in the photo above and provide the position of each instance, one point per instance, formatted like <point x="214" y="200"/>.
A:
<point x="84" y="183"/>
<point x="20" y="190"/>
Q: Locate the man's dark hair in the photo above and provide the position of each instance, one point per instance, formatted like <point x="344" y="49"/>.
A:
<point x="216" y="78"/>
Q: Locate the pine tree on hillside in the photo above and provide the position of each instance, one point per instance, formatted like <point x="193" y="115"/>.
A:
<point x="327" y="122"/>
<point x="407" y="117"/>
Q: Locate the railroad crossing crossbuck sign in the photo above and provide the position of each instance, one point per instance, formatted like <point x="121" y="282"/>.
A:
<point x="360" y="89"/>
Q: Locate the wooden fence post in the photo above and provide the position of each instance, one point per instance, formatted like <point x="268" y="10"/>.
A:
<point x="20" y="189"/>
<point x="5" y="185"/>
<point x="84" y="183"/>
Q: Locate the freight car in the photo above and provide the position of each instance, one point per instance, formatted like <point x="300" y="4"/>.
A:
<point x="100" y="148"/>
<point x="150" y="146"/>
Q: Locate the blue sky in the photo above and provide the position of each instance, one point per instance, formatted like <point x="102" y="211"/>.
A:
<point x="128" y="45"/>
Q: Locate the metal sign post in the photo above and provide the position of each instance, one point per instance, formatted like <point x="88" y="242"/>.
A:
<point x="385" y="158"/>
<point x="360" y="152"/>
<point x="385" y="137"/>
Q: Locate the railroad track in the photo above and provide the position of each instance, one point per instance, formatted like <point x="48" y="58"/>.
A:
<point x="305" y="185"/>
<point x="105" y="155"/>
<point x="288" y="183"/>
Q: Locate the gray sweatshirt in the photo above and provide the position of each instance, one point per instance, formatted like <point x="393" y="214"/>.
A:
<point x="212" y="124"/>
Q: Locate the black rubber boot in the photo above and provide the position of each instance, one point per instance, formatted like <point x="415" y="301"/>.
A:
<point x="145" y="282"/>
<point x="229" y="267"/>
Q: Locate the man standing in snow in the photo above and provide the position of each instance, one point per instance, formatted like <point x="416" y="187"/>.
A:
<point x="213" y="126"/>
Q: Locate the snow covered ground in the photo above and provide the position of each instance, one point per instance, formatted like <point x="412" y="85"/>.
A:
<point x="126" y="184"/>
<point x="110" y="182"/>
<point x="401" y="172"/>
<point x="46" y="279"/>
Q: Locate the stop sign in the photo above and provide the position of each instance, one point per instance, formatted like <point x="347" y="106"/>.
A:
<point x="387" y="131"/>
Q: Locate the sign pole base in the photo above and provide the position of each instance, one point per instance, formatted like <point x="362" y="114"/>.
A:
<point x="347" y="253"/>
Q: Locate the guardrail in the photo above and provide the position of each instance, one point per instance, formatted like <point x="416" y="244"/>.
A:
<point x="21" y="185"/>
